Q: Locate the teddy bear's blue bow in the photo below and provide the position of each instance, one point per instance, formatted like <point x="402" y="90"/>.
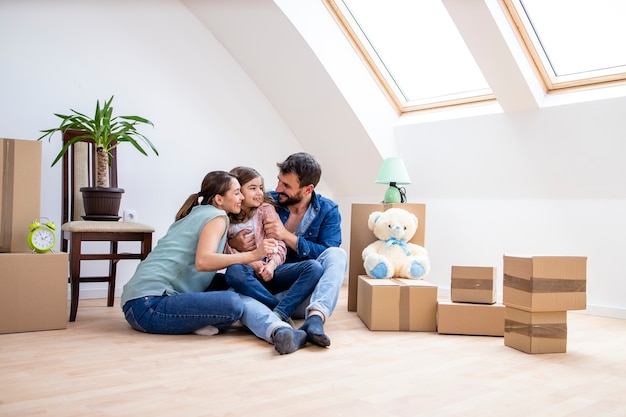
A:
<point x="401" y="243"/>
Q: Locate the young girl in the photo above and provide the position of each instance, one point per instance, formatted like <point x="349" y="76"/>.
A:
<point x="167" y="294"/>
<point x="262" y="279"/>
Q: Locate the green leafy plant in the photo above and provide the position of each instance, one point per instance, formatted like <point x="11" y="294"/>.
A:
<point x="106" y="131"/>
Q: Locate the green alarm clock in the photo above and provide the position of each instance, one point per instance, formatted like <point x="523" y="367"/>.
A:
<point x="42" y="236"/>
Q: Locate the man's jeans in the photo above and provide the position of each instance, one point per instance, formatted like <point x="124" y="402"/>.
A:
<point x="262" y="322"/>
<point x="183" y="313"/>
<point x="295" y="281"/>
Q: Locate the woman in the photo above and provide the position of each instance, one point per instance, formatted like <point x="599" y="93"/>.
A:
<point x="166" y="294"/>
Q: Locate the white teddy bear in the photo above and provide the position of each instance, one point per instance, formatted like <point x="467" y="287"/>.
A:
<point x="393" y="255"/>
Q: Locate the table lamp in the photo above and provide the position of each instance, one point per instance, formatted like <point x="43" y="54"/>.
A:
<point x="393" y="172"/>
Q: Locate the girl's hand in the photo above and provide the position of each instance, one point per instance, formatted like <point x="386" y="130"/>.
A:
<point x="256" y="266"/>
<point x="267" y="270"/>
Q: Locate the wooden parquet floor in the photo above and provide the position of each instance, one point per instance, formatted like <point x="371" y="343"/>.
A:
<point x="99" y="366"/>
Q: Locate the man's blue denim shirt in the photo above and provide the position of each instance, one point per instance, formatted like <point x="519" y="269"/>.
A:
<point x="319" y="229"/>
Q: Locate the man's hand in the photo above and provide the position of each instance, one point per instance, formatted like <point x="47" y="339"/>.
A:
<point x="274" y="228"/>
<point x="243" y="241"/>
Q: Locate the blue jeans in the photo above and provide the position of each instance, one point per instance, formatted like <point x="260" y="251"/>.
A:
<point x="295" y="280"/>
<point x="262" y="322"/>
<point x="183" y="313"/>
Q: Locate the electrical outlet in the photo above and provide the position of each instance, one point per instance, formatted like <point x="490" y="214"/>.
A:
<point x="130" y="215"/>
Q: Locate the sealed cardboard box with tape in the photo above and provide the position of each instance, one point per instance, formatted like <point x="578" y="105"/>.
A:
<point x="545" y="283"/>
<point x="470" y="318"/>
<point x="20" y="188"/>
<point x="473" y="284"/>
<point x="535" y="332"/>
<point x="397" y="304"/>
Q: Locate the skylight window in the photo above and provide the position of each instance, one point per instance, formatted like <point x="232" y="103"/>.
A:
<point x="573" y="43"/>
<point x="415" y="51"/>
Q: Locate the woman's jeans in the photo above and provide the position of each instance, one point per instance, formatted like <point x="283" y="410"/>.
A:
<point x="297" y="280"/>
<point x="183" y="313"/>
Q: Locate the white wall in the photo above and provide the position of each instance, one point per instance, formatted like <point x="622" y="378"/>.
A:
<point x="543" y="182"/>
<point x="160" y="63"/>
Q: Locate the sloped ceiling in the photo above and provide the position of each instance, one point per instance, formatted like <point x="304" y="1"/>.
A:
<point x="273" y="53"/>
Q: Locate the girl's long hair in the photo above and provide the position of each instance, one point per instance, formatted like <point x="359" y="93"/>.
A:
<point x="214" y="183"/>
<point x="244" y="175"/>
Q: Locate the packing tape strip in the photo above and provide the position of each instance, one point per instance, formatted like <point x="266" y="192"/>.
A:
<point x="545" y="285"/>
<point x="545" y="330"/>
<point x="472" y="284"/>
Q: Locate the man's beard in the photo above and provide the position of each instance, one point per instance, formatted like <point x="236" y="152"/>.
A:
<point x="290" y="200"/>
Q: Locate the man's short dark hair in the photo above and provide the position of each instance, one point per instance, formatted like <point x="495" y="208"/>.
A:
<point x="304" y="166"/>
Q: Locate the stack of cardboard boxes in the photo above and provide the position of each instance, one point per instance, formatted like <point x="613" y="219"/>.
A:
<point x="538" y="291"/>
<point x="34" y="286"/>
<point x="473" y="309"/>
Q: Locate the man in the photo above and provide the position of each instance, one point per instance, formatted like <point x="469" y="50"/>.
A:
<point x="310" y="226"/>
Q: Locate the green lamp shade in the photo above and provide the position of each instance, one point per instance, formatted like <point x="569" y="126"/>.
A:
<point x="393" y="172"/>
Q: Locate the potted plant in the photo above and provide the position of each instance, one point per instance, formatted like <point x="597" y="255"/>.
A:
<point x="106" y="132"/>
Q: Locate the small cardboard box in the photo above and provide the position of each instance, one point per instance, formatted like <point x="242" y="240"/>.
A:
<point x="545" y="283"/>
<point x="473" y="284"/>
<point x="470" y="319"/>
<point x="361" y="236"/>
<point x="397" y="304"/>
<point x="20" y="188"/>
<point x="535" y="332"/>
<point x="34" y="291"/>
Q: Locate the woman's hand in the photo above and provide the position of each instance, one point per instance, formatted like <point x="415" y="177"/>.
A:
<point x="266" y="249"/>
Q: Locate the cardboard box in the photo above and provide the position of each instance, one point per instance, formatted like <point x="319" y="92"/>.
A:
<point x="535" y="332"/>
<point x="20" y="188"/>
<point x="470" y="319"/>
<point x="473" y="284"/>
<point x="545" y="283"/>
<point x="34" y="291"/>
<point x="361" y="236"/>
<point x="397" y="304"/>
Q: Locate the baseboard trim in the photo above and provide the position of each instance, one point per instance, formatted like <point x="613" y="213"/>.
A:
<point x="95" y="293"/>
<point x="592" y="310"/>
<point x="603" y="311"/>
<point x="443" y="293"/>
